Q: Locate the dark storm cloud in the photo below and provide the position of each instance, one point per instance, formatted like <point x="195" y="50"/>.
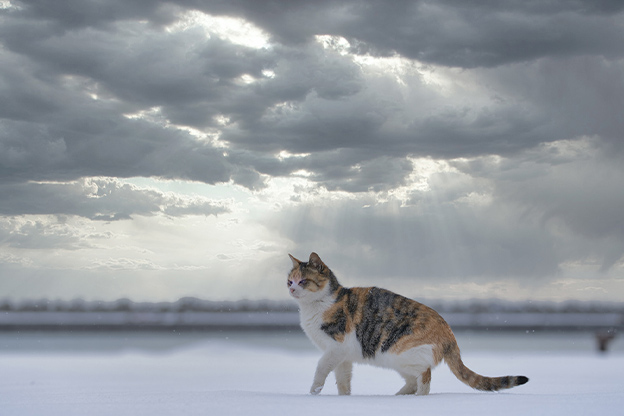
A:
<point x="100" y="88"/>
<point x="455" y="33"/>
<point x="578" y="95"/>
<point x="56" y="58"/>
<point x="115" y="147"/>
<point x="52" y="129"/>
<point x="447" y="32"/>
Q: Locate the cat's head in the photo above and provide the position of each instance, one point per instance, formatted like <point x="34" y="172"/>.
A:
<point x="311" y="280"/>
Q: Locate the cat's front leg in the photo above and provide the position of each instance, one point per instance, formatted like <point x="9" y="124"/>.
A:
<point x="343" y="377"/>
<point x="328" y="362"/>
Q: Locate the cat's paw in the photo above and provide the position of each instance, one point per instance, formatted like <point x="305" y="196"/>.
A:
<point x="315" y="390"/>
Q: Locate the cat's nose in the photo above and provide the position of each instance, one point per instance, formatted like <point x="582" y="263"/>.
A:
<point x="292" y="290"/>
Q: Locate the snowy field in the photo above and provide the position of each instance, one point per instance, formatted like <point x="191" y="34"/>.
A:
<point x="269" y="373"/>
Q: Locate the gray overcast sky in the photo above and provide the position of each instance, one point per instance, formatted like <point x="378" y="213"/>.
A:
<point x="442" y="149"/>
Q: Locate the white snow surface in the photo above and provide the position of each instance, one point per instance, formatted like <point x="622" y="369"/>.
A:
<point x="270" y="374"/>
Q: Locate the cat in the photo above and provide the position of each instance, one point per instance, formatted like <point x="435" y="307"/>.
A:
<point x="375" y="326"/>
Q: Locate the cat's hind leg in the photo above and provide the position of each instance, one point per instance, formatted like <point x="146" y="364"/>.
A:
<point x="343" y="377"/>
<point x="419" y="385"/>
<point x="415" y="366"/>
<point x="411" y="385"/>
<point x="424" y="383"/>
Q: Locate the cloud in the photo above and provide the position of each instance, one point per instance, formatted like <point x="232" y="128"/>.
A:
<point x="124" y="264"/>
<point x="426" y="241"/>
<point x="91" y="92"/>
<point x="577" y="190"/>
<point x="450" y="33"/>
<point x="448" y="140"/>
<point x="105" y="199"/>
<point x="40" y="234"/>
<point x="77" y="93"/>
<point x="530" y="218"/>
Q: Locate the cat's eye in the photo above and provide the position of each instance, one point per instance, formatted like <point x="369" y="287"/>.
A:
<point x="303" y="282"/>
<point x="290" y="282"/>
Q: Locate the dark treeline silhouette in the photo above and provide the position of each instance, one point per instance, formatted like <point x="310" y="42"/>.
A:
<point x="191" y="304"/>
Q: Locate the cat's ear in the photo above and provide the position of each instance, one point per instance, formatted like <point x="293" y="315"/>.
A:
<point x="316" y="261"/>
<point x="295" y="262"/>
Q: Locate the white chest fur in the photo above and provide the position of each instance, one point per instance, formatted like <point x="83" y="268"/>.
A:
<point x="311" y="316"/>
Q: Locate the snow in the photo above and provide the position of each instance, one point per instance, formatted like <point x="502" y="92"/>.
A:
<point x="163" y="319"/>
<point x="269" y="373"/>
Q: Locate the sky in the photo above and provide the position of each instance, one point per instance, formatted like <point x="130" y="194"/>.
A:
<point x="441" y="149"/>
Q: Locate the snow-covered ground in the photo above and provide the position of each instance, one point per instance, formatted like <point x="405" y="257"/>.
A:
<point x="269" y="373"/>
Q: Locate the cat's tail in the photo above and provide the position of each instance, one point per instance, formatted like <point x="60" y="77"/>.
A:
<point x="453" y="359"/>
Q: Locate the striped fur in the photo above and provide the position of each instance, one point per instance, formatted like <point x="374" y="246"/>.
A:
<point x="378" y="327"/>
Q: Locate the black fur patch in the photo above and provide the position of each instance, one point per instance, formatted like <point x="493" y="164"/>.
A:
<point x="333" y="282"/>
<point x="369" y="331"/>
<point x="342" y="292"/>
<point x="396" y="333"/>
<point x="352" y="303"/>
<point x="337" y="326"/>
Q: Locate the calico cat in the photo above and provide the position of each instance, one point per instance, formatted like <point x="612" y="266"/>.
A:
<point x="375" y="326"/>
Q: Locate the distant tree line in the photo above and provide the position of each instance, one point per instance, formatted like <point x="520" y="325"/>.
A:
<point x="191" y="304"/>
